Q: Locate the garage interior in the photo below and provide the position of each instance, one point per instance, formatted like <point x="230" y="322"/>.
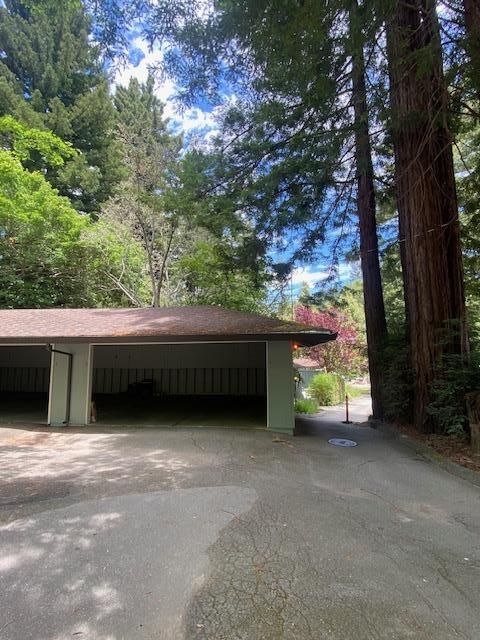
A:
<point x="189" y="384"/>
<point x="24" y="383"/>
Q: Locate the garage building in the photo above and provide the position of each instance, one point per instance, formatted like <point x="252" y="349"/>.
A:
<point x="180" y="365"/>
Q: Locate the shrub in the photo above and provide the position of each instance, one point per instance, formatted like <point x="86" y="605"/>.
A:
<point x="306" y="405"/>
<point x="454" y="377"/>
<point x="327" y="389"/>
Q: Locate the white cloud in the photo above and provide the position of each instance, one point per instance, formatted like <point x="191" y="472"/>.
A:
<point x="187" y="121"/>
<point x="314" y="275"/>
<point x="151" y="58"/>
<point x="195" y="119"/>
<point x="303" y="274"/>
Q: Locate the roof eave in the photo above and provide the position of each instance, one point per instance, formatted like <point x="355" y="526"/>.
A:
<point x="303" y="339"/>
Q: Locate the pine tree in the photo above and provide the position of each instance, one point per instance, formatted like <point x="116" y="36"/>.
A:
<point x="142" y="203"/>
<point x="51" y="76"/>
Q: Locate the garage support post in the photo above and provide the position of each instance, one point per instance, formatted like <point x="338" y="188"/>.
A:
<point x="80" y="390"/>
<point x="280" y="387"/>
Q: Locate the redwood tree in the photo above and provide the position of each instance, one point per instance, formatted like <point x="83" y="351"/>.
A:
<point x="366" y="209"/>
<point x="426" y="195"/>
<point x="472" y="27"/>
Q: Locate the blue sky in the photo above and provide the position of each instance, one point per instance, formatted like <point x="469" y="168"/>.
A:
<point x="198" y="120"/>
<point x="199" y="123"/>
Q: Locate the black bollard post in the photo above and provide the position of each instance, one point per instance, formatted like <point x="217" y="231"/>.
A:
<point x="347" y="420"/>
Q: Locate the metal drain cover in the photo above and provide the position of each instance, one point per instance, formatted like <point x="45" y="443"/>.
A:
<point x="341" y="442"/>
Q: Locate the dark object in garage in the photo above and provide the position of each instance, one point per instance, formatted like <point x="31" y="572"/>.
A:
<point x="142" y="389"/>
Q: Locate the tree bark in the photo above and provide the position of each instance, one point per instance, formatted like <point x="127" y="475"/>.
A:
<point x="375" y="321"/>
<point x="472" y="17"/>
<point x="473" y="411"/>
<point x="163" y="267"/>
<point x="426" y="195"/>
<point x="472" y="27"/>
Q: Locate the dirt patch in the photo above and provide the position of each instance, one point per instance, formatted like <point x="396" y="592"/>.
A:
<point x="453" y="448"/>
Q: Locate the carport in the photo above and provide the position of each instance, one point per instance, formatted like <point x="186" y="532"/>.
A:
<point x="202" y="366"/>
<point x="203" y="384"/>
<point x="24" y="382"/>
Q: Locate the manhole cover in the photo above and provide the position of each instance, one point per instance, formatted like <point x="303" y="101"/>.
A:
<point x="341" y="442"/>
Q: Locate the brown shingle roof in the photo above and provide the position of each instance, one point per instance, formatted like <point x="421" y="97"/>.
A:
<point x="305" y="363"/>
<point x="194" y="323"/>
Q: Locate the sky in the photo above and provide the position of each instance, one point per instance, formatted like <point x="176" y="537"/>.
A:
<point x="196" y="121"/>
<point x="199" y="123"/>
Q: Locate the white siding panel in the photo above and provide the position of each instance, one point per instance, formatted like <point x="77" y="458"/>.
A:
<point x="190" y="369"/>
<point x="180" y="356"/>
<point x="24" y="369"/>
<point x="24" y="357"/>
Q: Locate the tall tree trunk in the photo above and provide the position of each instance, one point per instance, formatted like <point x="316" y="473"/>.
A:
<point x="163" y="268"/>
<point x="472" y="27"/>
<point x="366" y="208"/>
<point x="426" y="195"/>
<point x="156" y="294"/>
<point x="472" y="18"/>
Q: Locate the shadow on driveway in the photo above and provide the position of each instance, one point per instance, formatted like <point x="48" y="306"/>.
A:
<point x="210" y="534"/>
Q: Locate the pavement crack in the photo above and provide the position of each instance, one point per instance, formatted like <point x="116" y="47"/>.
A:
<point x="257" y="587"/>
<point x="196" y="444"/>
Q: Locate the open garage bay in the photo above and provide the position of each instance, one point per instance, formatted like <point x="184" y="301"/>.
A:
<point x="180" y="384"/>
<point x="24" y="383"/>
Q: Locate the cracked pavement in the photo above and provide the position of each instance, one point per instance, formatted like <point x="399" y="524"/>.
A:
<point x="212" y="534"/>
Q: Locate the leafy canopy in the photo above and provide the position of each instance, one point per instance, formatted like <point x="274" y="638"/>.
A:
<point x="47" y="254"/>
<point x="33" y="146"/>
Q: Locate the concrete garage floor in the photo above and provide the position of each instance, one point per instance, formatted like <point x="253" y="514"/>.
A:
<point x="121" y="534"/>
<point x="24" y="407"/>
<point x="124" y="410"/>
<point x="237" y="412"/>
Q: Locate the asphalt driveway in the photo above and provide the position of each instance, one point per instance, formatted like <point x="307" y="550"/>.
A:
<point x="211" y="534"/>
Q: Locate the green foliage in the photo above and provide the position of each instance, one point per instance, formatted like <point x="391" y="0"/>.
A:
<point x="455" y="377"/>
<point x="354" y="391"/>
<point x="211" y="277"/>
<point x="51" y="78"/>
<point x="33" y="146"/>
<point x="115" y="269"/>
<point x="468" y="164"/>
<point x="197" y="249"/>
<point x="286" y="159"/>
<point x="47" y="256"/>
<point x="282" y="141"/>
<point x="140" y="114"/>
<point x="306" y="405"/>
<point x="40" y="231"/>
<point x="146" y="205"/>
<point x="327" y="389"/>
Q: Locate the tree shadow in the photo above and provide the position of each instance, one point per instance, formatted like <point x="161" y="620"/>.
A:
<point x="121" y="567"/>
